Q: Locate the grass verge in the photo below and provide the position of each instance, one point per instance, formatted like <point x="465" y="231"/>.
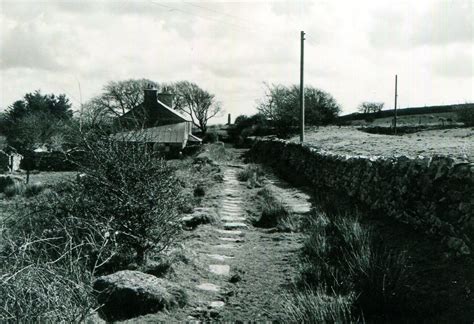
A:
<point x="344" y="264"/>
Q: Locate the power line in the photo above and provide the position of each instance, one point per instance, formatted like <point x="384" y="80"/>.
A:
<point x="206" y="17"/>
<point x="224" y="14"/>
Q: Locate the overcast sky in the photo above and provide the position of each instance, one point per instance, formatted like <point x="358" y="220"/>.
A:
<point x="353" y="49"/>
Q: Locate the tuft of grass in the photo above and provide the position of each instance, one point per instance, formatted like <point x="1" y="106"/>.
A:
<point x="273" y="213"/>
<point x="342" y="257"/>
<point x="15" y="189"/>
<point x="315" y="306"/>
<point x="33" y="189"/>
<point x="33" y="289"/>
<point x="199" y="191"/>
<point x="252" y="174"/>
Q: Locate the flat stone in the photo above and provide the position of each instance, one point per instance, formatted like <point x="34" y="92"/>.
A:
<point x="216" y="304"/>
<point x="219" y="257"/>
<point x="233" y="219"/>
<point x="230" y="232"/>
<point x="231" y="205"/>
<point x="208" y="287"/>
<point x="230" y="226"/>
<point x="230" y="239"/>
<point x="220" y="269"/>
<point x="225" y="246"/>
<point x="231" y="211"/>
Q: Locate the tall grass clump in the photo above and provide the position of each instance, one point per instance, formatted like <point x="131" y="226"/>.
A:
<point x="15" y="189"/>
<point x="252" y="174"/>
<point x="33" y="189"/>
<point x="315" y="306"/>
<point x="342" y="258"/>
<point x="36" y="288"/>
<point x="273" y="213"/>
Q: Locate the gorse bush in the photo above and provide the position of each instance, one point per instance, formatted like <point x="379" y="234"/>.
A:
<point x="126" y="203"/>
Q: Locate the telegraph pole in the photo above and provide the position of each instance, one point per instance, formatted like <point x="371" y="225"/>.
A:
<point x="395" y="106"/>
<point x="302" y="89"/>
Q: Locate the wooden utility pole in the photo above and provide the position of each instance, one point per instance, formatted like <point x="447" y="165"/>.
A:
<point x="302" y="89"/>
<point x="82" y="107"/>
<point x="395" y="107"/>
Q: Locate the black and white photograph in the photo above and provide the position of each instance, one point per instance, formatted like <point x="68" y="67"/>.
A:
<point x="236" y="161"/>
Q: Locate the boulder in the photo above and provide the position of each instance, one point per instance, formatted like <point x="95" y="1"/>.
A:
<point x="127" y="294"/>
<point x="204" y="158"/>
<point x="198" y="218"/>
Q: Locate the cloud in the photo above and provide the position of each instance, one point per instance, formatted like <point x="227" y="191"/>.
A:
<point x="25" y="47"/>
<point x="412" y="24"/>
<point x="445" y="23"/>
<point x="455" y="65"/>
<point x="352" y="49"/>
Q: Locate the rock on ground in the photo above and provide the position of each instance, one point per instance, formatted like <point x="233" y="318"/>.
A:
<point x="127" y="294"/>
<point x="199" y="218"/>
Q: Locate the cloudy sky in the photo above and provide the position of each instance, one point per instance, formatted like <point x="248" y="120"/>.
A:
<point x="353" y="49"/>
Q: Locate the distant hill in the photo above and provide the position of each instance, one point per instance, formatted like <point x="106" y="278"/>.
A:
<point x="427" y="110"/>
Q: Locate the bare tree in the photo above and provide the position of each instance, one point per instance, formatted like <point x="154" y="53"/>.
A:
<point x="118" y="97"/>
<point x="370" y="107"/>
<point x="197" y="103"/>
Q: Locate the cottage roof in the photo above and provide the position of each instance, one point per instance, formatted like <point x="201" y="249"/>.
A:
<point x="178" y="114"/>
<point x="173" y="133"/>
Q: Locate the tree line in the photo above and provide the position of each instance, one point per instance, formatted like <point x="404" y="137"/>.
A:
<point x="46" y="119"/>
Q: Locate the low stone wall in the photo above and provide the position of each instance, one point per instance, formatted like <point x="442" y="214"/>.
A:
<point x="435" y="195"/>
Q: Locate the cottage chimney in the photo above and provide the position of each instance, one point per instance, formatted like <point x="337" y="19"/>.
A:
<point x="150" y="94"/>
<point x="166" y="98"/>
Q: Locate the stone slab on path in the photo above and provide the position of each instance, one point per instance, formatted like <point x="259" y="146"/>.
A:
<point x="233" y="219"/>
<point x="217" y="304"/>
<point x="220" y="257"/>
<point x="234" y="225"/>
<point x="208" y="287"/>
<point x="220" y="269"/>
<point x="225" y="246"/>
<point x="229" y="232"/>
<point x="231" y="239"/>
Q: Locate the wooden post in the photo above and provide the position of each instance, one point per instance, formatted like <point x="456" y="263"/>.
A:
<point x="302" y="89"/>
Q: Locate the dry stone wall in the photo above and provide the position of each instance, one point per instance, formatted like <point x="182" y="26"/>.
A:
<point x="433" y="194"/>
